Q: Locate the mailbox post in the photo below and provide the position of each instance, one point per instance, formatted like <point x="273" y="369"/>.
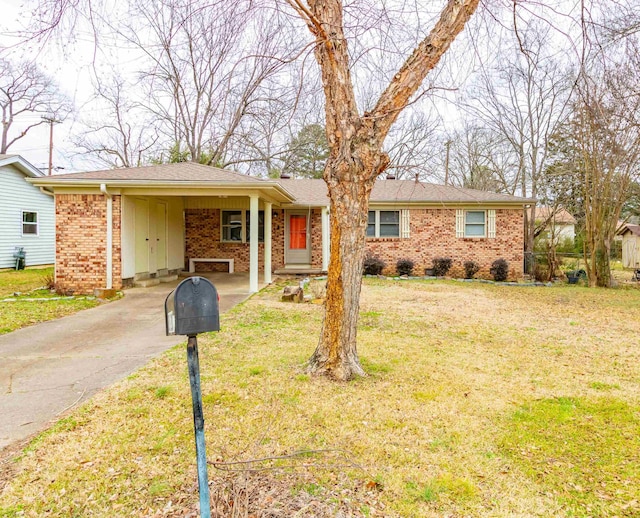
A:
<point x="192" y="308"/>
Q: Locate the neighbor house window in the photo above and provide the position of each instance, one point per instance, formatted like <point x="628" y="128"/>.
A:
<point x="235" y="226"/>
<point x="474" y="223"/>
<point x="383" y="223"/>
<point x="29" y="223"/>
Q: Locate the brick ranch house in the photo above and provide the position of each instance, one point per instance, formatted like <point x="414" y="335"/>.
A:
<point x="117" y="226"/>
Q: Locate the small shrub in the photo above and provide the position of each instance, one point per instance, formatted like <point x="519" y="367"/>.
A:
<point x="470" y="269"/>
<point x="373" y="265"/>
<point x="405" y="266"/>
<point x="49" y="281"/>
<point x="441" y="266"/>
<point x="500" y="270"/>
<point x="541" y="272"/>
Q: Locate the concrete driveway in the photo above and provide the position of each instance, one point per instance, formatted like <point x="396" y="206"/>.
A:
<point x="48" y="368"/>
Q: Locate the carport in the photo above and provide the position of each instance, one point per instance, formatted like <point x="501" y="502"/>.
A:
<point x="116" y="227"/>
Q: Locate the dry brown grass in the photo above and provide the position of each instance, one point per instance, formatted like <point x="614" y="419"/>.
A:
<point x="423" y="435"/>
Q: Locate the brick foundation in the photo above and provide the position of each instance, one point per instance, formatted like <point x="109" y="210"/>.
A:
<point x="81" y="242"/>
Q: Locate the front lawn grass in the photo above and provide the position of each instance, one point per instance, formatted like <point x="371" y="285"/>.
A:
<point x="15" y="315"/>
<point x="481" y="400"/>
<point x="12" y="281"/>
<point x="21" y="312"/>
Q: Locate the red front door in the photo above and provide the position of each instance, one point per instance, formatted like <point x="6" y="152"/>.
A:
<point x="298" y="237"/>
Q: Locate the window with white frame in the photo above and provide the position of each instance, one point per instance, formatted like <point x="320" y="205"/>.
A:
<point x="383" y="223"/>
<point x="29" y="223"/>
<point x="236" y="225"/>
<point x="475" y="223"/>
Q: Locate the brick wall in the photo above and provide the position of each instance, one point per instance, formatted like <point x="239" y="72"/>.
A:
<point x="316" y="238"/>
<point x="202" y="235"/>
<point x="81" y="242"/>
<point x="433" y="235"/>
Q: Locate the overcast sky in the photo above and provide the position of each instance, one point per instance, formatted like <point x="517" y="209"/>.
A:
<point x="71" y="65"/>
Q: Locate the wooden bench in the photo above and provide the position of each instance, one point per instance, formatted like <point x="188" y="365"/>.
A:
<point x="194" y="260"/>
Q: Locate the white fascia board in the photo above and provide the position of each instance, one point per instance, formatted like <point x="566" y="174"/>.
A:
<point x="22" y="165"/>
<point x="270" y="191"/>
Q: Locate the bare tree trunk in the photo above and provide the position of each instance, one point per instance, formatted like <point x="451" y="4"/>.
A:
<point x="5" y="131"/>
<point x="336" y="354"/>
<point x="355" y="161"/>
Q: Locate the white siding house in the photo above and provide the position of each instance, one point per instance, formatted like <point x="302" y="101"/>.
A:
<point x="27" y="216"/>
<point x="557" y="222"/>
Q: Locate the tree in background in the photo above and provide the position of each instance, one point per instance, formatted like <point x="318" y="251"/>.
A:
<point x="523" y="98"/>
<point x="410" y="146"/>
<point x="308" y="152"/>
<point x="480" y="159"/>
<point x="607" y="128"/>
<point x="27" y="92"/>
<point x="207" y="64"/>
<point x="125" y="135"/>
<point x="631" y="208"/>
<point x="596" y="160"/>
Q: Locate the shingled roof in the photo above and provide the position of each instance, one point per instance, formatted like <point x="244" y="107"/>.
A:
<point x="314" y="193"/>
<point x="628" y="227"/>
<point x="305" y="192"/>
<point x="180" y="172"/>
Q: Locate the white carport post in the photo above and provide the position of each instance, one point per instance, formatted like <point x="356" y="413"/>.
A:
<point x="253" y="244"/>
<point x="325" y="238"/>
<point x="267" y="242"/>
<point x="109" y="267"/>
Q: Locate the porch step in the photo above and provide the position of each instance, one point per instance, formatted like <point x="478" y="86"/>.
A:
<point x="145" y="283"/>
<point x="298" y="271"/>
<point x="168" y="278"/>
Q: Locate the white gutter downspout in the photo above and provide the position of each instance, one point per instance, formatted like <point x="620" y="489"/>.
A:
<point x="103" y="190"/>
<point x="48" y="193"/>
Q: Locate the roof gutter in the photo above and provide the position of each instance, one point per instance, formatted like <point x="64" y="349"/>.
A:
<point x="103" y="190"/>
<point x="53" y="182"/>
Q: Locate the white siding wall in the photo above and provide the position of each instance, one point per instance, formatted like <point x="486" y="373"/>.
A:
<point x="565" y="230"/>
<point x="16" y="195"/>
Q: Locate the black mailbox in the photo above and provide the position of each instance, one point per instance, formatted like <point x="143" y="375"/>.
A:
<point x="192" y="308"/>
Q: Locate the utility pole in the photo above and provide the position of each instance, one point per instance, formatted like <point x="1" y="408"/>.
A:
<point x="446" y="163"/>
<point x="51" y="121"/>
